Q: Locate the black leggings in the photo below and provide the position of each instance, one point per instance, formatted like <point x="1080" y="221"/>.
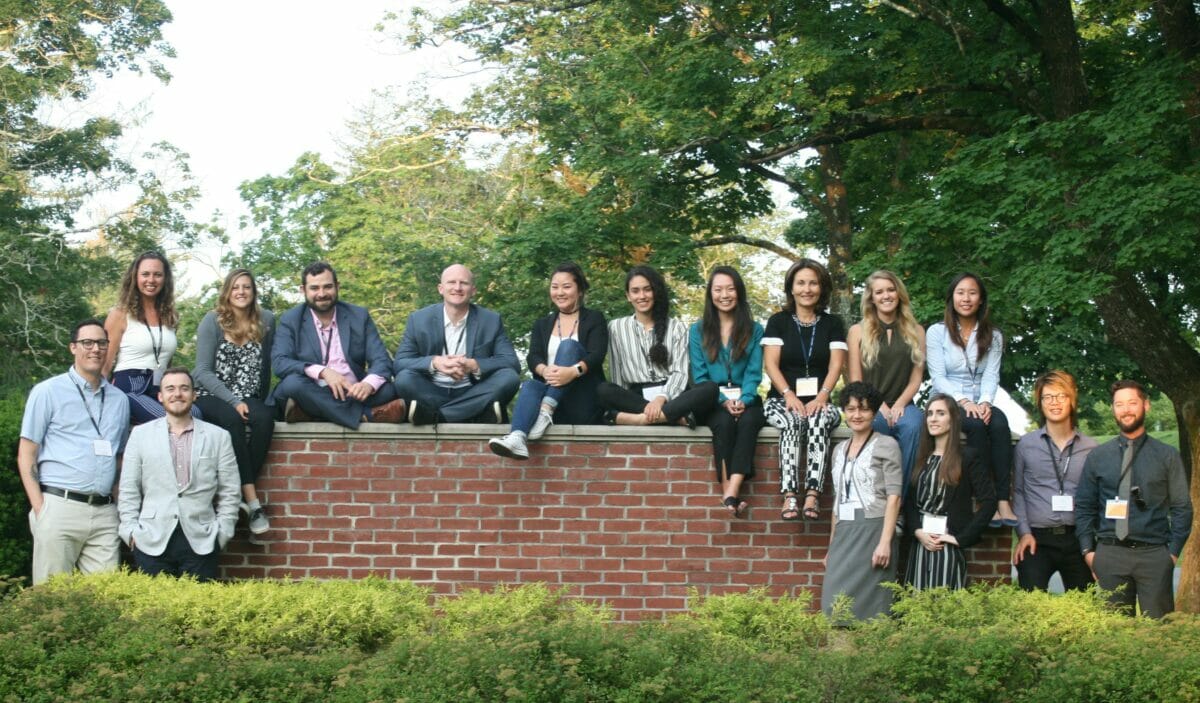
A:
<point x="734" y="439"/>
<point x="697" y="399"/>
<point x="251" y="438"/>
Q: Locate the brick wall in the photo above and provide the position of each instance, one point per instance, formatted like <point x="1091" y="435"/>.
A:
<point x="627" y="516"/>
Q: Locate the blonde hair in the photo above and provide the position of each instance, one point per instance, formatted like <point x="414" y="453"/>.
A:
<point x="1059" y="379"/>
<point x="240" y="329"/>
<point x="873" y="330"/>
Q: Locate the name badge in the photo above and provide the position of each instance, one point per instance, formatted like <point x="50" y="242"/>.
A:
<point x="807" y="387"/>
<point x="933" y="524"/>
<point x="652" y="392"/>
<point x="731" y="392"/>
<point x="1116" y="509"/>
<point x="845" y="512"/>
<point x="102" y="447"/>
<point x="1062" y="504"/>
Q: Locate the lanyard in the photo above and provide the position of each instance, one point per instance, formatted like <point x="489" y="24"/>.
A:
<point x="972" y="370"/>
<point x="458" y="343"/>
<point x="1132" y="459"/>
<point x="727" y="361"/>
<point x="1060" y="475"/>
<point x="156" y="348"/>
<point x="812" y="341"/>
<point x="849" y="466"/>
<point x="558" y="323"/>
<point x="95" y="421"/>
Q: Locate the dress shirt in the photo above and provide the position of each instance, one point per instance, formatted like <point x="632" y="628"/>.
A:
<point x="1157" y="470"/>
<point x="336" y="358"/>
<point x="181" y="453"/>
<point x="60" y="423"/>
<point x="956" y="371"/>
<point x="455" y="335"/>
<point x="629" y="355"/>
<point x="1035" y="481"/>
<point x="746" y="372"/>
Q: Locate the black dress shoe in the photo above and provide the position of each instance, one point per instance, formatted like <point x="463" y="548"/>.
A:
<point x="419" y="414"/>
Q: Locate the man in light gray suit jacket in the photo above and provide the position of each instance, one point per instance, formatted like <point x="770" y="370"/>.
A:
<point x="175" y="468"/>
<point x="455" y="362"/>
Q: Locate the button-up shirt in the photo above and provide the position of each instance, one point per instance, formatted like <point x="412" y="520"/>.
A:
<point x="957" y="372"/>
<point x="1035" y="479"/>
<point x="1157" y="470"/>
<point x="181" y="453"/>
<point x="59" y="421"/>
<point x="335" y="357"/>
<point x="455" y="336"/>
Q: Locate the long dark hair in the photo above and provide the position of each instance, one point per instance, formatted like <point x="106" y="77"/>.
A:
<point x="164" y="301"/>
<point x="983" y="322"/>
<point x="660" y="312"/>
<point x="950" y="470"/>
<point x="823" y="277"/>
<point x="710" y="326"/>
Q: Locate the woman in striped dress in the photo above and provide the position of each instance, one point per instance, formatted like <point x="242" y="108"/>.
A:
<point x="940" y="508"/>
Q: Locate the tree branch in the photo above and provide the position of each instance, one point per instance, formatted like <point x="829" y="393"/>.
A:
<point x="750" y="241"/>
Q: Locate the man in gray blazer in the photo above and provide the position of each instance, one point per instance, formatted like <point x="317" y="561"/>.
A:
<point x="175" y="468"/>
<point x="332" y="364"/>
<point x="455" y="362"/>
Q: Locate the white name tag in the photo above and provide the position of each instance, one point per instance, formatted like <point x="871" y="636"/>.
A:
<point x="651" y="393"/>
<point x="807" y="387"/>
<point x="1062" y="504"/>
<point x="1116" y="509"/>
<point x="845" y="512"/>
<point x="102" y="447"/>
<point x="731" y="392"/>
<point x="933" y="524"/>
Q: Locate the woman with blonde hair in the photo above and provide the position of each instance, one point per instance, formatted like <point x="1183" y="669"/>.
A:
<point x="887" y="350"/>
<point x="141" y="335"/>
<point x="233" y="375"/>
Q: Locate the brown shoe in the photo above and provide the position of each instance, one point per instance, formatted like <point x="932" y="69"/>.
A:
<point x="295" y="413"/>
<point x="393" y="411"/>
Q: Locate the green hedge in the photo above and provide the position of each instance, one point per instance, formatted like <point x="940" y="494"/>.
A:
<point x="16" y="544"/>
<point x="132" y="638"/>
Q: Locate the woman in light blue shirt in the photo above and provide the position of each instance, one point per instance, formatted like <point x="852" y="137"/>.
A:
<point x="964" y="353"/>
<point x="725" y="350"/>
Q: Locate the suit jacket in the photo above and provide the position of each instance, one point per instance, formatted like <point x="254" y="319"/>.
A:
<point x="963" y="520"/>
<point x="298" y="343"/>
<point x="425" y="338"/>
<point x="151" y="503"/>
<point x="209" y="336"/>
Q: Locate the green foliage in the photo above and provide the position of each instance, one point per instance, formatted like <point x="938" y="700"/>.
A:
<point x="16" y="544"/>
<point x="127" y="637"/>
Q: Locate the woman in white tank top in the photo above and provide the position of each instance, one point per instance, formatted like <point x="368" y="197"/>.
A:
<point x="141" y="335"/>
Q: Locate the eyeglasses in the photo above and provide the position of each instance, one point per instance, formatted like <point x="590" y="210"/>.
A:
<point x="90" y="344"/>
<point x="1054" y="397"/>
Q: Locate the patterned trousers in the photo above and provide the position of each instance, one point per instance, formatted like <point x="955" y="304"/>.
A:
<point x="793" y="429"/>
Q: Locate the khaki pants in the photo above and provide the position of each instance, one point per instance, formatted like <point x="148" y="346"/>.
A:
<point x="70" y="535"/>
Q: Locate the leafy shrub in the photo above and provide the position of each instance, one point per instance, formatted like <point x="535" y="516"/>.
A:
<point x="16" y="544"/>
<point x="788" y="623"/>
<point x="475" y="611"/>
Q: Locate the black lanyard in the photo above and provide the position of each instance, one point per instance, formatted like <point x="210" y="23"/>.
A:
<point x="1128" y="469"/>
<point x="848" y="467"/>
<point x="95" y="421"/>
<point x="458" y="344"/>
<point x="973" y="371"/>
<point x="1060" y="475"/>
<point x="812" y="341"/>
<point x="157" y="349"/>
<point x="558" y="324"/>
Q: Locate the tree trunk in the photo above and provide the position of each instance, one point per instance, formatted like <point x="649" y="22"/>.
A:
<point x="839" y="222"/>
<point x="1181" y="34"/>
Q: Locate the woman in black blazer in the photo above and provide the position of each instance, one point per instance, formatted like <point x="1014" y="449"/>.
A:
<point x="566" y="358"/>
<point x="940" y="508"/>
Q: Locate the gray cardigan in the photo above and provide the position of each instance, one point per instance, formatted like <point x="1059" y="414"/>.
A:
<point x="878" y="474"/>
<point x="208" y="335"/>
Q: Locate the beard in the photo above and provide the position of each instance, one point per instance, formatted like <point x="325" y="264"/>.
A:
<point x="322" y="305"/>
<point x="1133" y="425"/>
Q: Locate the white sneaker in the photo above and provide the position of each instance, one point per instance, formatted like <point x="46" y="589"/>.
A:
<point x="540" y="425"/>
<point x="511" y="445"/>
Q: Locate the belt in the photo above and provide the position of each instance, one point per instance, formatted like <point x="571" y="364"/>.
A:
<point x="1130" y="543"/>
<point x="89" y="498"/>
<point x="1055" y="530"/>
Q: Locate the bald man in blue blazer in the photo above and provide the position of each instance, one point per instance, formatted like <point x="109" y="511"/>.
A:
<point x="455" y="363"/>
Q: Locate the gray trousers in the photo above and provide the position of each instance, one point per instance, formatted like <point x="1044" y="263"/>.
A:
<point x="1145" y="572"/>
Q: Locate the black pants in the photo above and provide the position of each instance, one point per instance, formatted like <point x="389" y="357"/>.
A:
<point x="1056" y="551"/>
<point x="251" y="437"/>
<point x="993" y="442"/>
<point x="178" y="559"/>
<point x="735" y="439"/>
<point x="1146" y="572"/>
<point x="697" y="399"/>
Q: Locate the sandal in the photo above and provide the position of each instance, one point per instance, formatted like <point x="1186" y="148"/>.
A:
<point x="735" y="505"/>
<point x="791" y="509"/>
<point x="811" y="512"/>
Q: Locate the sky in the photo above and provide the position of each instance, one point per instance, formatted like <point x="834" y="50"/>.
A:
<point x="256" y="83"/>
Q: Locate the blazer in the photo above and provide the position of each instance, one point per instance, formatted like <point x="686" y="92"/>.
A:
<point x="298" y="344"/>
<point x="208" y="336"/>
<point x="963" y="521"/>
<point x="151" y="503"/>
<point x="425" y="338"/>
<point x="593" y="335"/>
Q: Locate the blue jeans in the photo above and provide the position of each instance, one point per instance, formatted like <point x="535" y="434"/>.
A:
<point x="906" y="432"/>
<point x="535" y="392"/>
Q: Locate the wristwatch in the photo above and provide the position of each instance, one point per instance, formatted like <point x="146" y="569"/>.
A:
<point x="579" y="368"/>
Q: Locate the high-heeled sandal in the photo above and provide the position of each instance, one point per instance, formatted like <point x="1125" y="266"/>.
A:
<point x="812" y="512"/>
<point x="791" y="509"/>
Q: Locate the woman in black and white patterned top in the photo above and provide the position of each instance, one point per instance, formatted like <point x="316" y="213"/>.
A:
<point x="233" y="375"/>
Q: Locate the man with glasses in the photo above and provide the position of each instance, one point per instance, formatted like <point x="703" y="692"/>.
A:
<point x="1047" y="465"/>
<point x="1132" y="509"/>
<point x="70" y="437"/>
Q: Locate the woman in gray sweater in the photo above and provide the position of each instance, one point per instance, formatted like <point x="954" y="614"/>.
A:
<point x="867" y="479"/>
<point x="233" y="375"/>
